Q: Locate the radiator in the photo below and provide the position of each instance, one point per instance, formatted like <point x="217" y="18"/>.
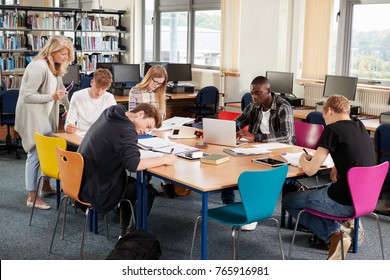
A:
<point x="371" y="101"/>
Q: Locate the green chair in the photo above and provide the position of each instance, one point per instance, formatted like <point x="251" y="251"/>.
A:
<point x="259" y="192"/>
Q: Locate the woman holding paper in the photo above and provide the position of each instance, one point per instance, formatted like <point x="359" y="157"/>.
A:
<point x="349" y="144"/>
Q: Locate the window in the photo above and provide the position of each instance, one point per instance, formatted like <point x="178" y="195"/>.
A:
<point x="365" y="50"/>
<point x="182" y="31"/>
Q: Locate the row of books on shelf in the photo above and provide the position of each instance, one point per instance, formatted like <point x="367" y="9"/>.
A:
<point x="12" y="41"/>
<point x="10" y="62"/>
<point x="97" y="23"/>
<point x="12" y="81"/>
<point x="98" y="43"/>
<point x="50" y="21"/>
<point x="12" y="20"/>
<point x="88" y="62"/>
<point x="36" y="42"/>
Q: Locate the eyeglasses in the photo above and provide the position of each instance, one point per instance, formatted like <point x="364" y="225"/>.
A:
<point x="157" y="83"/>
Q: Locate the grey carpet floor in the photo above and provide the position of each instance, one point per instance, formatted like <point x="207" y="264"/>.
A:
<point x="171" y="221"/>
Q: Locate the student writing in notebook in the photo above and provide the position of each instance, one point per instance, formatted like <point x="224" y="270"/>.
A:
<point x="87" y="104"/>
<point x="349" y="144"/>
<point x="270" y="119"/>
<point x="110" y="150"/>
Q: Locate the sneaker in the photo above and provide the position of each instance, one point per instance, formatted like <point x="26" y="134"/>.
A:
<point x="335" y="246"/>
<point x="39" y="204"/>
<point x="248" y="227"/>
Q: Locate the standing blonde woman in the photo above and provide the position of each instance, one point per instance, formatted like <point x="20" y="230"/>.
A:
<point x="37" y="109"/>
<point x="151" y="89"/>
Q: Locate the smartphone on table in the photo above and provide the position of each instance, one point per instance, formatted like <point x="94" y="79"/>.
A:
<point x="270" y="161"/>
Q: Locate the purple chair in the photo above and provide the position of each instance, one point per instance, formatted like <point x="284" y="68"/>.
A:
<point x="307" y="134"/>
<point x="365" y="184"/>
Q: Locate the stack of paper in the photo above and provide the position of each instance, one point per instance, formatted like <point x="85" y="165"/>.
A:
<point x="175" y="121"/>
<point x="271" y="146"/>
<point x="157" y="144"/>
<point x="293" y="159"/>
<point x="250" y="151"/>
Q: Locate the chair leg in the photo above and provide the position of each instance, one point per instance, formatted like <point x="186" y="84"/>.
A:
<point x="83" y="236"/>
<point x="35" y="199"/>
<point x="193" y="236"/>
<point x="64" y="220"/>
<point x="236" y="241"/>
<point x="342" y="245"/>
<point x="280" y="236"/>
<point x="295" y="231"/>
<point x="380" y="234"/>
<point x="55" y="226"/>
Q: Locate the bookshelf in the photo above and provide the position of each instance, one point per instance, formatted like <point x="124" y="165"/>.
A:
<point x="97" y="35"/>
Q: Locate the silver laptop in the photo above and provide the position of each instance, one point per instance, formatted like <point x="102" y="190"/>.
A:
<point x="221" y="132"/>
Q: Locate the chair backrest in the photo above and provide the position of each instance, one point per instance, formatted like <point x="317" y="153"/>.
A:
<point x="246" y="100"/>
<point x="365" y="184"/>
<point x="307" y="134"/>
<point x="382" y="145"/>
<point x="46" y="150"/>
<point x="208" y="96"/>
<point x="226" y="115"/>
<point x="315" y="117"/>
<point x="8" y="100"/>
<point x="86" y="82"/>
<point x="71" y="166"/>
<point x="260" y="190"/>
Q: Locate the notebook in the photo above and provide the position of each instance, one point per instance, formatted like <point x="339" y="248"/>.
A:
<point x="221" y="132"/>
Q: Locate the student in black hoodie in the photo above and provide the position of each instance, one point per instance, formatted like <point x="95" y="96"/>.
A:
<point x="110" y="148"/>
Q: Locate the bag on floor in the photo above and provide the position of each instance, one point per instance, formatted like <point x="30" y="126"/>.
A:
<point x="136" y="245"/>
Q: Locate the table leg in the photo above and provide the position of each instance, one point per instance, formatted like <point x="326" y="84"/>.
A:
<point x="138" y="221"/>
<point x="144" y="203"/>
<point x="205" y="199"/>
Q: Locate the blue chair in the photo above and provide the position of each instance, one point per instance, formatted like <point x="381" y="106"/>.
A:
<point x="86" y="82"/>
<point x="8" y="100"/>
<point x="382" y="147"/>
<point x="316" y="118"/>
<point x="246" y="100"/>
<point x="206" y="103"/>
<point x="259" y="192"/>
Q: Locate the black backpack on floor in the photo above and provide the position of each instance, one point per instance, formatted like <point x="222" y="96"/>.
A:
<point x="136" y="245"/>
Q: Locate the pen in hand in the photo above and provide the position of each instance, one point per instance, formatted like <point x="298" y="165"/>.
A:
<point x="172" y="150"/>
<point x="306" y="152"/>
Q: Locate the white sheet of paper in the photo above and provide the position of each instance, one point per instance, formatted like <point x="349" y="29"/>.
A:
<point x="270" y="146"/>
<point x="150" y="154"/>
<point x="293" y="159"/>
<point x="250" y="151"/>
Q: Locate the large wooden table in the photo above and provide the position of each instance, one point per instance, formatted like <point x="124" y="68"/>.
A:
<point x="201" y="178"/>
<point x="205" y="178"/>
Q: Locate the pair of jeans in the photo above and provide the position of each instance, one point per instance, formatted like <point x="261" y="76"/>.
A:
<point x="227" y="196"/>
<point x="317" y="199"/>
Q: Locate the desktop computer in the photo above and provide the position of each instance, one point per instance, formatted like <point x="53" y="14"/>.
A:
<point x="354" y="110"/>
<point x="294" y="101"/>
<point x="180" y="88"/>
<point x="384" y="117"/>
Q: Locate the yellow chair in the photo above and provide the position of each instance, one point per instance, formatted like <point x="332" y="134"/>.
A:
<point x="46" y="150"/>
<point x="71" y="166"/>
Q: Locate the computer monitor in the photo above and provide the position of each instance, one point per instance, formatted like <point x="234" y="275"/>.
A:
<point x="126" y="73"/>
<point x="106" y="65"/>
<point x="72" y="75"/>
<point x="148" y="65"/>
<point x="342" y="85"/>
<point x="179" y="72"/>
<point x="281" y="82"/>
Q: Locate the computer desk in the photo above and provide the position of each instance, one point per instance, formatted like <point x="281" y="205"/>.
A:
<point x="206" y="178"/>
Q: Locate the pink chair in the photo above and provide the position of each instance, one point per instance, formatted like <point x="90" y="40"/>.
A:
<point x="365" y="184"/>
<point x="307" y="134"/>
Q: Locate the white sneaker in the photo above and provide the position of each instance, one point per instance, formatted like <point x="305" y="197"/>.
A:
<point x="251" y="226"/>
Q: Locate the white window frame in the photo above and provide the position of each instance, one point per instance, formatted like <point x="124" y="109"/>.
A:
<point x="344" y="38"/>
<point x="190" y="6"/>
